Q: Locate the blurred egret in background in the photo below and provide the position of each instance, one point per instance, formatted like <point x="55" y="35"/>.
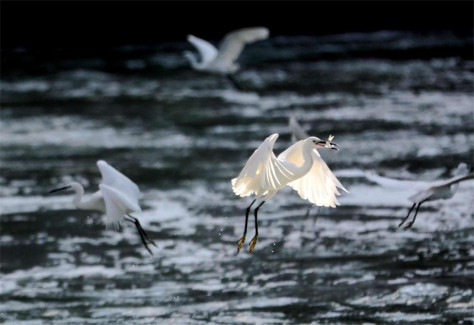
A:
<point x="297" y="131"/>
<point x="117" y="197"/>
<point x="222" y="60"/>
<point x="425" y="191"/>
<point x="300" y="166"/>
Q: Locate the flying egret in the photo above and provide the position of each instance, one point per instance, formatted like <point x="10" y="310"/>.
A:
<point x="300" y="166"/>
<point x="117" y="197"/>
<point x="222" y="61"/>
<point x="425" y="191"/>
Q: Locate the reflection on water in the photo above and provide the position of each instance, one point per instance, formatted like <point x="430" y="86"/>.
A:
<point x="182" y="136"/>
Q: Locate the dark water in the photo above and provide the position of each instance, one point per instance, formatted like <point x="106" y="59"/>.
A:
<point x="398" y="103"/>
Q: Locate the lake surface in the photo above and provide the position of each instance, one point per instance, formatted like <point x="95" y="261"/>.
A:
<point x="398" y="103"/>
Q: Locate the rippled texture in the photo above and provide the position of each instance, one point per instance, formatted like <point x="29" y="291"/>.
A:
<point x="398" y="103"/>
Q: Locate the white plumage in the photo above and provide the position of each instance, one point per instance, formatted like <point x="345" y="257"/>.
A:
<point x="117" y="197"/>
<point x="223" y="60"/>
<point x="300" y="167"/>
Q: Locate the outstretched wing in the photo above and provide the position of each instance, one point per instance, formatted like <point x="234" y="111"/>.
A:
<point x="113" y="178"/>
<point x="396" y="183"/>
<point x="117" y="204"/>
<point x="234" y="42"/>
<point x="207" y="51"/>
<point x="319" y="185"/>
<point x="263" y="172"/>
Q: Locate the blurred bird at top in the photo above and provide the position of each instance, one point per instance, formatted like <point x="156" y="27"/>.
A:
<point x="300" y="167"/>
<point x="425" y="191"/>
<point x="222" y="61"/>
<point x="117" y="197"/>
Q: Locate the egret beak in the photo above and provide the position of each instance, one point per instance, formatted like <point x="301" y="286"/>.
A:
<point x="324" y="144"/>
<point x="60" y="189"/>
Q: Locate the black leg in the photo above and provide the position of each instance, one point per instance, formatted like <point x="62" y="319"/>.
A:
<point x="414" y="217"/>
<point x="255" y="214"/>
<point x="141" y="236"/>
<point x="307" y="212"/>
<point x="140" y="228"/>
<point x="405" y="219"/>
<point x="241" y="241"/>
<point x="316" y="216"/>
<point x="235" y="83"/>
<point x="253" y="242"/>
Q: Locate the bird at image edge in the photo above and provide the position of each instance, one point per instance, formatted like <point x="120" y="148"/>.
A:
<point x="300" y="167"/>
<point x="117" y="197"/>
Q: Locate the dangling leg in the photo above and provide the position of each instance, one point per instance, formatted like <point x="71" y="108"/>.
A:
<point x="241" y="241"/>
<point x="141" y="230"/>
<point x="307" y="212"/>
<point x="405" y="219"/>
<point x="416" y="212"/>
<point x="253" y="242"/>
<point x="234" y="82"/>
<point x="316" y="216"/>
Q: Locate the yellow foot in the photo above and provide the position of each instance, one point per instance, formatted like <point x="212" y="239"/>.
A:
<point x="252" y="244"/>
<point x="240" y="243"/>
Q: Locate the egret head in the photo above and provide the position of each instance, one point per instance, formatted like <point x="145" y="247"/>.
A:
<point x="324" y="144"/>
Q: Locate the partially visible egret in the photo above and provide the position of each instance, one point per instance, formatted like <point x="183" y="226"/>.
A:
<point x="425" y="191"/>
<point x="222" y="61"/>
<point x="117" y="198"/>
<point x="297" y="131"/>
<point x="300" y="166"/>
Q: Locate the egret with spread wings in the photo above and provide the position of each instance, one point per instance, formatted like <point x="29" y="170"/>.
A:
<point x="300" y="167"/>
<point x="222" y="60"/>
<point x="117" y="197"/>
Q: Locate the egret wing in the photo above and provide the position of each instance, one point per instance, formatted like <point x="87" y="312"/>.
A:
<point x="117" y="180"/>
<point x="319" y="185"/>
<point x="263" y="172"/>
<point x="234" y="42"/>
<point x="117" y="204"/>
<point x="207" y="51"/>
<point x="297" y="131"/>
<point x="397" y="183"/>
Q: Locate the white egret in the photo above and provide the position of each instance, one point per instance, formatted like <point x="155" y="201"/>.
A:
<point x="117" y="197"/>
<point x="425" y="191"/>
<point x="222" y="61"/>
<point x="300" y="167"/>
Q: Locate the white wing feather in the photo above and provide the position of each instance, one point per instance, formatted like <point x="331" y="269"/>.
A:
<point x="234" y="42"/>
<point x="297" y="131"/>
<point x="396" y="183"/>
<point x="117" y="204"/>
<point x="263" y="172"/>
<point x="207" y="51"/>
<point x="113" y="178"/>
<point x="410" y="185"/>
<point x="319" y="185"/>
